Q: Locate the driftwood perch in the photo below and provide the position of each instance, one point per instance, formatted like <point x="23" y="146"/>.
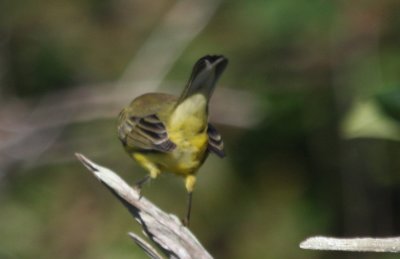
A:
<point x="176" y="241"/>
<point x="364" y="244"/>
<point x="165" y="230"/>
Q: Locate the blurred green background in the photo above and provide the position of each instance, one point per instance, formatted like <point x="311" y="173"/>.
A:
<point x="309" y="108"/>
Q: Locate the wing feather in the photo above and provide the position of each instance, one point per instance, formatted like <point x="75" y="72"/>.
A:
<point x="215" y="143"/>
<point x="146" y="133"/>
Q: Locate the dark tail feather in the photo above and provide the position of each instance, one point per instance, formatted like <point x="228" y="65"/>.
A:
<point x="205" y="74"/>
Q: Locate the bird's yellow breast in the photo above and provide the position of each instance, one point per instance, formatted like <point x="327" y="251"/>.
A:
<point x="187" y="129"/>
<point x="189" y="154"/>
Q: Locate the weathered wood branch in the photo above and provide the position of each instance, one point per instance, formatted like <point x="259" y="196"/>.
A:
<point x="364" y="244"/>
<point x="165" y="230"/>
<point x="148" y="249"/>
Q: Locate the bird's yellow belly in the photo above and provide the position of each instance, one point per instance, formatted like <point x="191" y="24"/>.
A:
<point x="187" y="157"/>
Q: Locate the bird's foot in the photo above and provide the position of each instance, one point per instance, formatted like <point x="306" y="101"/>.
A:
<point x="139" y="184"/>
<point x="138" y="189"/>
<point x="185" y="222"/>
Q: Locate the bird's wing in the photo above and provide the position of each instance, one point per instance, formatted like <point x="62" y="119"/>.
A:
<point x="145" y="133"/>
<point x="215" y="143"/>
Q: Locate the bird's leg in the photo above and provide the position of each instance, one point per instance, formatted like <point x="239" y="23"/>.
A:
<point x="139" y="184"/>
<point x="153" y="170"/>
<point x="186" y="220"/>
<point x="190" y="182"/>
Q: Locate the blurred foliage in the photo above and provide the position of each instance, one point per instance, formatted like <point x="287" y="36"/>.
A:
<point x="390" y="103"/>
<point x="367" y="120"/>
<point x="323" y="159"/>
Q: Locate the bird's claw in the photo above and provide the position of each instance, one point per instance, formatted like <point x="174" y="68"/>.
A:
<point x="138" y="188"/>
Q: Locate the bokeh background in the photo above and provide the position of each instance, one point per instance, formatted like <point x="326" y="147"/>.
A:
<point x="309" y="108"/>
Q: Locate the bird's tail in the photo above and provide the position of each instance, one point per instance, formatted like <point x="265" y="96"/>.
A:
<point x="205" y="74"/>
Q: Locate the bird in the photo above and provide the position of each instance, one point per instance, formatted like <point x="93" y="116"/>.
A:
<point x="167" y="133"/>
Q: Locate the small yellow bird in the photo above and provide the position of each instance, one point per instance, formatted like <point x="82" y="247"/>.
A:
<point x="164" y="133"/>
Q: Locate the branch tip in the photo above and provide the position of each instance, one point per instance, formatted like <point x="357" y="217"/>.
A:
<point x="86" y="162"/>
